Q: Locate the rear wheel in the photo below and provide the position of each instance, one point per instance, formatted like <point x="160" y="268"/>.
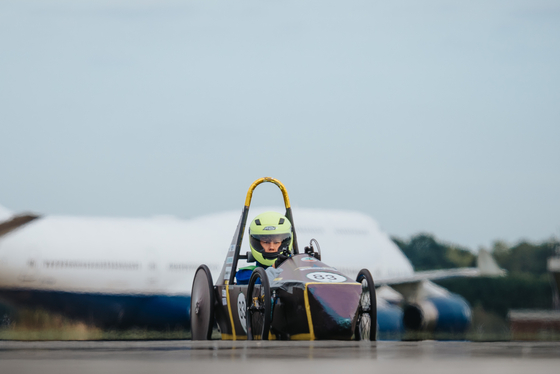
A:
<point x="202" y="304"/>
<point x="366" y="315"/>
<point x="258" y="306"/>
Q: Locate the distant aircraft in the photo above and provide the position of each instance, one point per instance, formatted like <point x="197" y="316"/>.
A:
<point x="124" y="272"/>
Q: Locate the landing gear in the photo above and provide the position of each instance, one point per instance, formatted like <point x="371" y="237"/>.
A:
<point x="366" y="315"/>
<point x="258" y="306"/>
<point x="202" y="304"/>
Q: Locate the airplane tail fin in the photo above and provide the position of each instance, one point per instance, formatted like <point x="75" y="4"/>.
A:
<point x="487" y="265"/>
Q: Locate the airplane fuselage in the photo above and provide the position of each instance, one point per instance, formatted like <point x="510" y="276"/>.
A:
<point x="125" y="272"/>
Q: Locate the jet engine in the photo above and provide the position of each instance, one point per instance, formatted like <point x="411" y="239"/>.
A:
<point x="438" y="314"/>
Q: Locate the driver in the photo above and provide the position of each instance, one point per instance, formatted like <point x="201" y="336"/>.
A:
<point x="270" y="234"/>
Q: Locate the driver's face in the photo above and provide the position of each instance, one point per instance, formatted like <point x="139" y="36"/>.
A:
<point x="270" y="246"/>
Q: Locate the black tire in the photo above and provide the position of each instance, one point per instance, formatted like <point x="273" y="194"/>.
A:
<point x="366" y="315"/>
<point x="258" y="306"/>
<point x="202" y="304"/>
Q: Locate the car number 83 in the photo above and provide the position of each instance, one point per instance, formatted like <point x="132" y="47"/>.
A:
<point x="321" y="276"/>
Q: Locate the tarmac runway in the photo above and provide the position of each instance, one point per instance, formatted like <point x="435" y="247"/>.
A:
<point x="277" y="357"/>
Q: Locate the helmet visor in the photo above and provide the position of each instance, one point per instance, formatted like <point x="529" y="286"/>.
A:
<point x="272" y="238"/>
<point x="281" y="240"/>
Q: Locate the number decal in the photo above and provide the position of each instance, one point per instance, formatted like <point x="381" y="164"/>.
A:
<point x="321" y="276"/>
<point x="241" y="309"/>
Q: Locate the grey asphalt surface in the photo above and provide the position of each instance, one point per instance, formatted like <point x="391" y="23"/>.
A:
<point x="278" y="357"/>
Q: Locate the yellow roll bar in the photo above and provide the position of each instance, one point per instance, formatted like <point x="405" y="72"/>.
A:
<point x="271" y="180"/>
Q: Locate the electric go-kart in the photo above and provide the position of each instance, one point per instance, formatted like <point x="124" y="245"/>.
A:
<point x="303" y="299"/>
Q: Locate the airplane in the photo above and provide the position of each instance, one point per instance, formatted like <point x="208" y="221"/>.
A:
<point x="138" y="272"/>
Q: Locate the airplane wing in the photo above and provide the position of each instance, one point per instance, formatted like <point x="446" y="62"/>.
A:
<point x="427" y="306"/>
<point x="486" y="267"/>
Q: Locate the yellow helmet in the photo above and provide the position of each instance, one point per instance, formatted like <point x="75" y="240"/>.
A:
<point x="268" y="227"/>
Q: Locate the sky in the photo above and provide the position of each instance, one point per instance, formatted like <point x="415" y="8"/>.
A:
<point x="438" y="117"/>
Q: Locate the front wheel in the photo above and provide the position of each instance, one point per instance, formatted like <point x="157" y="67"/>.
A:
<point x="366" y="315"/>
<point x="258" y="306"/>
<point x="202" y="304"/>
